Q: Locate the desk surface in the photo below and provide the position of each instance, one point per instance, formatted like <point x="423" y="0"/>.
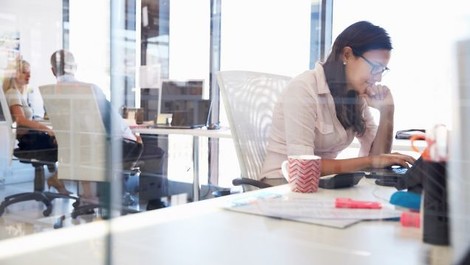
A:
<point x="204" y="233"/>
<point x="203" y="132"/>
<point x="224" y="132"/>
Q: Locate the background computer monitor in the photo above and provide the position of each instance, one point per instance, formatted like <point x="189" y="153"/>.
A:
<point x="184" y="99"/>
<point x="174" y="90"/>
<point x="156" y="101"/>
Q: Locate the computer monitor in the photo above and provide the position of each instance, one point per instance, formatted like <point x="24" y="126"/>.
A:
<point x="184" y="100"/>
<point x="173" y="96"/>
<point x="174" y="90"/>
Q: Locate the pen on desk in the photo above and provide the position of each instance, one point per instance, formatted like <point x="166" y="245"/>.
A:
<point x="391" y="219"/>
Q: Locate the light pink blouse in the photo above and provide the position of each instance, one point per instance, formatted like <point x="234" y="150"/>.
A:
<point x="305" y="122"/>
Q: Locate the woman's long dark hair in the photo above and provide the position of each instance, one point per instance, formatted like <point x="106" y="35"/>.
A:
<point x="361" y="37"/>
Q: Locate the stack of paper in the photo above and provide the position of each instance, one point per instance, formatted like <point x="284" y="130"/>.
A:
<point x="313" y="210"/>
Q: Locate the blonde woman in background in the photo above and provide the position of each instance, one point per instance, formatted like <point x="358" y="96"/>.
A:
<point x="31" y="134"/>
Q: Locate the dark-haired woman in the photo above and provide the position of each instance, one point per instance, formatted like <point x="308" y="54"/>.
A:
<point x="322" y="110"/>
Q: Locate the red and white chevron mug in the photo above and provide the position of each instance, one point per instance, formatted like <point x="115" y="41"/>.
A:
<point x="302" y="172"/>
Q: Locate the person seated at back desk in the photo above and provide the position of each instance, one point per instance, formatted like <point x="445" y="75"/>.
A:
<point x="32" y="136"/>
<point x="63" y="67"/>
<point x="323" y="109"/>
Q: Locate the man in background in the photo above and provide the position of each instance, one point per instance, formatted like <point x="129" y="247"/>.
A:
<point x="134" y="148"/>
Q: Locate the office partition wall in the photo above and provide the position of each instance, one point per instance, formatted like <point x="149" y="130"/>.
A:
<point x="112" y="39"/>
<point x="460" y="156"/>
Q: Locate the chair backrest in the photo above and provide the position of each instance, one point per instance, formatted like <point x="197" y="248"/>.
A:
<point x="249" y="99"/>
<point x="7" y="134"/>
<point x="79" y="129"/>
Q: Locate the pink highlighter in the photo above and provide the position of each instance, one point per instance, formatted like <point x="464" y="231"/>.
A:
<point x="410" y="219"/>
<point x="350" y="203"/>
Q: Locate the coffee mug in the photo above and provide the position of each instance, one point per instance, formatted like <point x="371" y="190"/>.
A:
<point x="302" y="172"/>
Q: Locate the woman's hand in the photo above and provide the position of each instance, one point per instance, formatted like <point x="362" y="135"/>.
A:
<point x="379" y="97"/>
<point x="50" y="132"/>
<point x="138" y="138"/>
<point x="385" y="160"/>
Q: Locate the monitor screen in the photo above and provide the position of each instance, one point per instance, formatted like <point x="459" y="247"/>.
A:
<point x="184" y="100"/>
<point x="181" y="90"/>
<point x="175" y="96"/>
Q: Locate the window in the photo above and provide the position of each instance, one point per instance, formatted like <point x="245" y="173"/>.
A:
<point x="422" y="62"/>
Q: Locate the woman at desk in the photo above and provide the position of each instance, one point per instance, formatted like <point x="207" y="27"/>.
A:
<point x="31" y="134"/>
<point x="323" y="109"/>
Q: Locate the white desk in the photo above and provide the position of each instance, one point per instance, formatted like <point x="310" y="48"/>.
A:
<point x="196" y="133"/>
<point x="398" y="145"/>
<point x="205" y="233"/>
<point x="200" y="132"/>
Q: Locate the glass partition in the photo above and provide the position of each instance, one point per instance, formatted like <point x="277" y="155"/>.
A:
<point x="117" y="44"/>
<point x="112" y="40"/>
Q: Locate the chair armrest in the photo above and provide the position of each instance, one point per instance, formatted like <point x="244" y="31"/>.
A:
<point x="252" y="182"/>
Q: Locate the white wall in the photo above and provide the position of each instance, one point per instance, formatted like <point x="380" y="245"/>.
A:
<point x="39" y="25"/>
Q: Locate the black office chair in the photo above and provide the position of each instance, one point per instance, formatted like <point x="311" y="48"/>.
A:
<point x="131" y="171"/>
<point x="142" y="180"/>
<point x="250" y="182"/>
<point x="38" y="159"/>
<point x="84" y="141"/>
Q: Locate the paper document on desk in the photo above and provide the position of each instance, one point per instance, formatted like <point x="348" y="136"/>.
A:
<point x="309" y="210"/>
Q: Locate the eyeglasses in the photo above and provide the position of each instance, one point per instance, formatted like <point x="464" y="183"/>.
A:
<point x="375" y="68"/>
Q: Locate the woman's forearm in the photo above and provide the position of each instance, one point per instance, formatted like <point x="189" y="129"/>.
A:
<point x="335" y="166"/>
<point x="382" y="143"/>
<point x="23" y="122"/>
